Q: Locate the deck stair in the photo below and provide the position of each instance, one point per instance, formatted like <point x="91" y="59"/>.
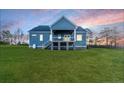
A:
<point x="46" y="45"/>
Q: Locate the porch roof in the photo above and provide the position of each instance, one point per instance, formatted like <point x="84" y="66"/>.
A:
<point x="41" y="28"/>
<point x="79" y="28"/>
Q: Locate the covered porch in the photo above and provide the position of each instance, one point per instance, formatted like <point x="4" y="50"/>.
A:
<point x="63" y="35"/>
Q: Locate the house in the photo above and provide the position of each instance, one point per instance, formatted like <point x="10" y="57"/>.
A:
<point x="63" y="34"/>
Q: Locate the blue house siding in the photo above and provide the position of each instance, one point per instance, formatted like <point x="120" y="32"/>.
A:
<point x="36" y="39"/>
<point x="46" y="38"/>
<point x="63" y="24"/>
<point x="82" y="43"/>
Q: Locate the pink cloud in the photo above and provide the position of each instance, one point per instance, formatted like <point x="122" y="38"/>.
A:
<point x="99" y="17"/>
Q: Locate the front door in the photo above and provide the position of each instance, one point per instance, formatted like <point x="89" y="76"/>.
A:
<point x="67" y="37"/>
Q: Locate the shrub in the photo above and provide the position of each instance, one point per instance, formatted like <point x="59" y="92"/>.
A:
<point x="4" y="43"/>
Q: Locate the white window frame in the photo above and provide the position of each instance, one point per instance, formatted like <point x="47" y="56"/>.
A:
<point x="34" y="35"/>
<point x="41" y="37"/>
<point x="79" y="37"/>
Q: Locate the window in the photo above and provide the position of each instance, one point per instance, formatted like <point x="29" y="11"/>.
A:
<point x="67" y="37"/>
<point x="41" y="37"/>
<point x="79" y="37"/>
<point x="33" y="34"/>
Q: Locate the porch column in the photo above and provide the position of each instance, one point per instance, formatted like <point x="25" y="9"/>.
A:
<point x="67" y="45"/>
<point x="74" y="45"/>
<point x="51" y="45"/>
<point x="58" y="45"/>
<point x="75" y="34"/>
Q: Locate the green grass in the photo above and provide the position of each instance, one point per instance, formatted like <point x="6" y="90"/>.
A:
<point x="22" y="64"/>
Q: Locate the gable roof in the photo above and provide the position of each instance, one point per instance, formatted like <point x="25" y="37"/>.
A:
<point x="63" y="18"/>
<point x="41" y="28"/>
<point x="79" y="28"/>
<point x="88" y="31"/>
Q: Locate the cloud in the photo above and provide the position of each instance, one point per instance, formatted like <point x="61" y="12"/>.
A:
<point x="32" y="17"/>
<point x="88" y="17"/>
<point x="9" y="25"/>
<point x="98" y="17"/>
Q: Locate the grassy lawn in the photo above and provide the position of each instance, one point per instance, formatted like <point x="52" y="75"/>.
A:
<point x="22" y="64"/>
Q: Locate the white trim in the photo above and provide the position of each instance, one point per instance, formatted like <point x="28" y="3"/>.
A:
<point x="39" y="32"/>
<point x="40" y="46"/>
<point x="80" y="46"/>
<point x="33" y="34"/>
<point x="75" y="33"/>
<point x="50" y="37"/>
<point x="43" y="46"/>
<point x="80" y="32"/>
<point x="36" y="46"/>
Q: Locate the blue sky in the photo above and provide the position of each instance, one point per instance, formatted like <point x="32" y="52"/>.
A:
<point x="27" y="19"/>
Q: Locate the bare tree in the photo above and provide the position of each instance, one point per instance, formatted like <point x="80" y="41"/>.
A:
<point x="110" y="36"/>
<point x="105" y="34"/>
<point x="89" y="36"/>
<point x="21" y="36"/>
<point x="18" y="36"/>
<point x="114" y="34"/>
<point x="96" y="38"/>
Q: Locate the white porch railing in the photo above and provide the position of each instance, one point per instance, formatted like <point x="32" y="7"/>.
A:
<point x="63" y="38"/>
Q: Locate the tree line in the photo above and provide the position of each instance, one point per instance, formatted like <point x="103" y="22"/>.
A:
<point x="12" y="38"/>
<point x="108" y="36"/>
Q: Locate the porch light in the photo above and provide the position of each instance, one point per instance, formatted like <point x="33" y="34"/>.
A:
<point x="59" y="37"/>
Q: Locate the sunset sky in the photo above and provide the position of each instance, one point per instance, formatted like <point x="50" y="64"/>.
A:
<point x="27" y="19"/>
